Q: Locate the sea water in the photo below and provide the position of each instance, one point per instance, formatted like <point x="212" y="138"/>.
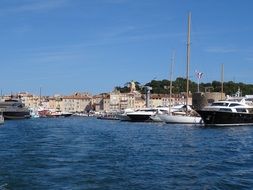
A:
<point x="86" y="153"/>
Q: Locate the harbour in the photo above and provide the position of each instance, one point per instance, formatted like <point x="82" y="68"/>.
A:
<point x="120" y="94"/>
<point x="87" y="153"/>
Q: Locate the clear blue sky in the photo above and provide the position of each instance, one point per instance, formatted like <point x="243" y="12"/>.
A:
<point x="65" y="46"/>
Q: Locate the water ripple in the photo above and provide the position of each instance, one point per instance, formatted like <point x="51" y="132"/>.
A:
<point x="85" y="153"/>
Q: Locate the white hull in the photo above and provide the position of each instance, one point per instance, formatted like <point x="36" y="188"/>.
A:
<point x="145" y="114"/>
<point x="182" y="119"/>
<point x="156" y="118"/>
<point x="123" y="117"/>
<point x="1" y="119"/>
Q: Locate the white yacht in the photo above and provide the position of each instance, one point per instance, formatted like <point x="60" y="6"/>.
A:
<point x="182" y="115"/>
<point x="187" y="116"/>
<point x="174" y="109"/>
<point x="145" y="114"/>
<point x="180" y="118"/>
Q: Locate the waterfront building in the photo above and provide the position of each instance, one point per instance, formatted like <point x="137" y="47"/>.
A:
<point x="51" y="102"/>
<point x="97" y="103"/>
<point x="101" y="102"/>
<point x="105" y="102"/>
<point x="115" y="100"/>
<point x="127" y="100"/>
<point x="158" y="100"/>
<point x="30" y="100"/>
<point x="139" y="102"/>
<point x="163" y="100"/>
<point x="76" y="103"/>
<point x="180" y="99"/>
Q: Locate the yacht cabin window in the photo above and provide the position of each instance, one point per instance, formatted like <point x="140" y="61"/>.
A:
<point x="219" y="104"/>
<point x="234" y="104"/>
<point x="226" y="109"/>
<point x="241" y="110"/>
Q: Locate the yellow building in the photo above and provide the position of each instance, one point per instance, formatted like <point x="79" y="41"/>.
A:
<point x="77" y="103"/>
<point x="31" y="101"/>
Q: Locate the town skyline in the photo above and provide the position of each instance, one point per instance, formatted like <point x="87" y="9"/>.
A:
<point x="62" y="46"/>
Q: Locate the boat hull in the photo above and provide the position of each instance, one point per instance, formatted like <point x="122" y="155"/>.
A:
<point x="180" y="119"/>
<point x="1" y="119"/>
<point x="10" y="115"/>
<point x="221" y="118"/>
<point x="66" y="114"/>
<point x="123" y="117"/>
<point x="156" y="118"/>
<point x="139" y="117"/>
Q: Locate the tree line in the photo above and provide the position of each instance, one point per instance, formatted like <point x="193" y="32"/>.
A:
<point x="179" y="85"/>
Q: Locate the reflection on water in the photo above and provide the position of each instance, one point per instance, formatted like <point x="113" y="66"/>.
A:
<point x="85" y="153"/>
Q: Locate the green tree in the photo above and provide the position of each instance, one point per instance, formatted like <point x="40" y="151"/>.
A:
<point x="179" y="85"/>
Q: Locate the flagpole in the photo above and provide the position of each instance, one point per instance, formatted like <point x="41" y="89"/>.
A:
<point x="198" y="84"/>
<point x="198" y="75"/>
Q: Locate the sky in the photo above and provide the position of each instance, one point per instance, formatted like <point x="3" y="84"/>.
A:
<point x="67" y="46"/>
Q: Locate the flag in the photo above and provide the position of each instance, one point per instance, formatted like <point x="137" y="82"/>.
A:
<point x="199" y="74"/>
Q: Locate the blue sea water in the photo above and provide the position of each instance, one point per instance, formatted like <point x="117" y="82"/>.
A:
<point x="86" y="153"/>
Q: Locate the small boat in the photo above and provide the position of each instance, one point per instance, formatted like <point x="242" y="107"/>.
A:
<point x="108" y="117"/>
<point x="34" y="113"/>
<point x="44" y="112"/>
<point x="65" y="114"/>
<point x="81" y="114"/>
<point x="58" y="114"/>
<point x="227" y="113"/>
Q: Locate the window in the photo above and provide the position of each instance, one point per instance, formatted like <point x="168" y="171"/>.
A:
<point x="234" y="104"/>
<point x="241" y="110"/>
<point x="225" y="109"/>
<point x="219" y="104"/>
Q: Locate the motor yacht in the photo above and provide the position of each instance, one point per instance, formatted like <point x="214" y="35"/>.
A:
<point x="145" y="114"/>
<point x="14" y="109"/>
<point x="227" y="113"/>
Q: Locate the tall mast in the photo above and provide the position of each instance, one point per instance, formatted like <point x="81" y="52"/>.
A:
<point x="188" y="58"/>
<point x="40" y="97"/>
<point x="171" y="71"/>
<point x="222" y="80"/>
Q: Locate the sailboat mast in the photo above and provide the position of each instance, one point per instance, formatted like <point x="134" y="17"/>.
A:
<point x="222" y="80"/>
<point x="40" y="98"/>
<point x="188" y="58"/>
<point x="171" y="71"/>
